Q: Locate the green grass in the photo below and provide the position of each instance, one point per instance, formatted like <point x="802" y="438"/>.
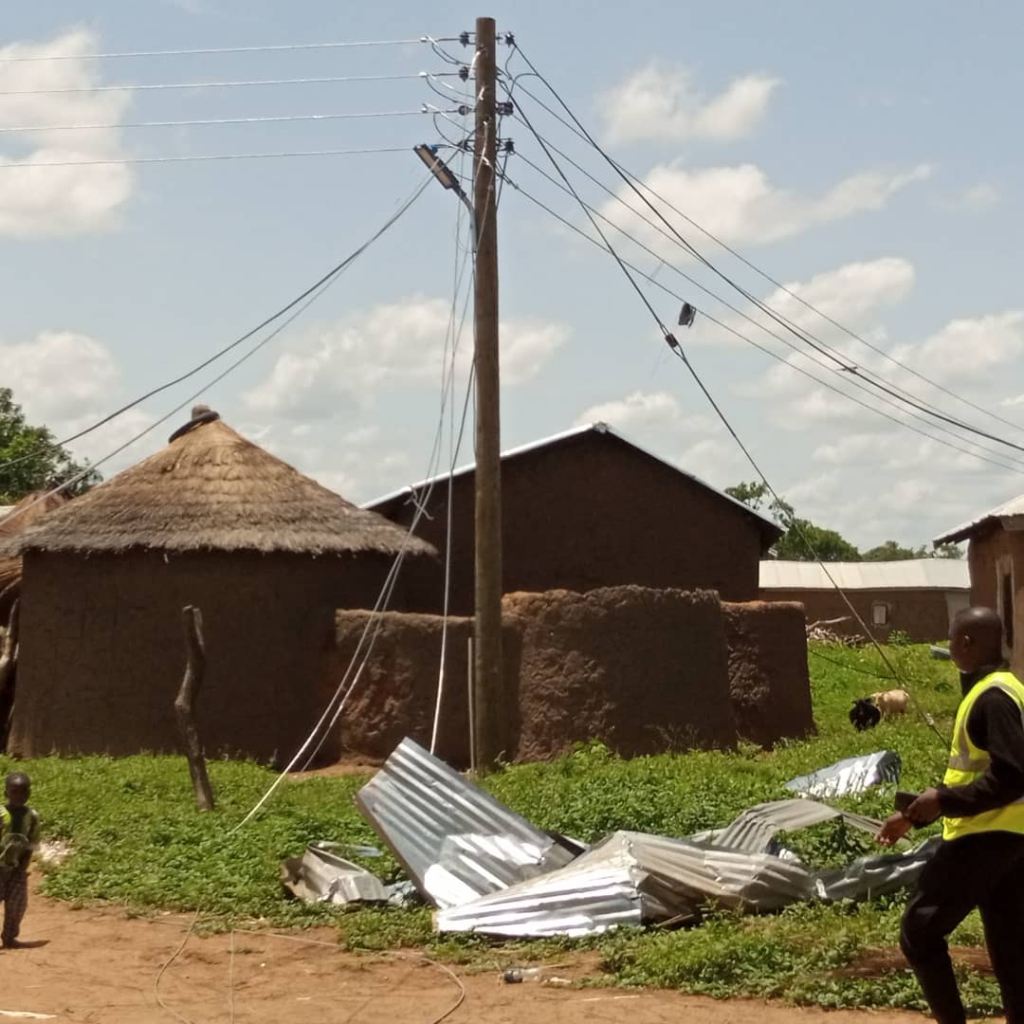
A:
<point x="139" y="842"/>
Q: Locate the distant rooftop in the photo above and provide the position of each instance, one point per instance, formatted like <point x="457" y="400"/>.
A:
<point x="1010" y="514"/>
<point x="912" y="574"/>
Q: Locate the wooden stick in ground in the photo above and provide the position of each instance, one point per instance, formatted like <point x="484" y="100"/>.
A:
<point x="8" y="665"/>
<point x="195" y="667"/>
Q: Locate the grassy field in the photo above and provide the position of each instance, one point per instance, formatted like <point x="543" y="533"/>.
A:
<point x="138" y="841"/>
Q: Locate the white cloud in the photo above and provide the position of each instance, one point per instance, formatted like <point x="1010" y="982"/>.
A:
<point x="741" y="206"/>
<point x="969" y="349"/>
<point x="644" y="411"/>
<point x="661" y="104"/>
<point x="853" y="449"/>
<point x="37" y="202"/>
<point x="389" y="348"/>
<point x="981" y="196"/>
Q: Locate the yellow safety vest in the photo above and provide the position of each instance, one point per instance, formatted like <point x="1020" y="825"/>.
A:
<point x="968" y="762"/>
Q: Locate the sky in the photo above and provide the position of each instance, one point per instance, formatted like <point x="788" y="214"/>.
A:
<point x="860" y="156"/>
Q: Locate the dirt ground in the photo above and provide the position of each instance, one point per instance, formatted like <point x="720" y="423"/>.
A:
<point x="98" y="966"/>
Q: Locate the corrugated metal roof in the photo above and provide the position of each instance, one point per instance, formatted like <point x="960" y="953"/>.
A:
<point x="1010" y="514"/>
<point x="599" y="428"/>
<point x="913" y="574"/>
<point x="850" y="776"/>
<point x="455" y="841"/>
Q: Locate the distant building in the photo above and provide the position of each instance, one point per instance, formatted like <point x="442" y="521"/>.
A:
<point x="214" y="521"/>
<point x="589" y="509"/>
<point x="917" y="597"/>
<point x="995" y="554"/>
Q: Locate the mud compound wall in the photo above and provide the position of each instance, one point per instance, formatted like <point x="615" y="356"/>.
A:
<point x="396" y="693"/>
<point x="769" y="684"/>
<point x="641" y="670"/>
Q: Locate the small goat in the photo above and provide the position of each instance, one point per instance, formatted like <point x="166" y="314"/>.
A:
<point x="864" y="714"/>
<point x="891" y="702"/>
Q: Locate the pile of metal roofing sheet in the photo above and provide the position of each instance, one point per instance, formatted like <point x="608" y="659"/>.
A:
<point x="455" y="841"/>
<point x="849" y="777"/>
<point x="489" y="870"/>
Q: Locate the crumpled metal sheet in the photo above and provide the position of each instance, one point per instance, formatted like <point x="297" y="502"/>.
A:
<point x="455" y="841"/>
<point x="849" y="777"/>
<point x="632" y="879"/>
<point x="320" y="876"/>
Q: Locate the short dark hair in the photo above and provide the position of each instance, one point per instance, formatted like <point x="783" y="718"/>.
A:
<point x="18" y="779"/>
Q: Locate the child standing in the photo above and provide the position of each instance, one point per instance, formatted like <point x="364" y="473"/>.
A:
<point x="19" y="833"/>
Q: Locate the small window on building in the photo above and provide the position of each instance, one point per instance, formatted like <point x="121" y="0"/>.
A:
<point x="1006" y="606"/>
<point x="879" y="614"/>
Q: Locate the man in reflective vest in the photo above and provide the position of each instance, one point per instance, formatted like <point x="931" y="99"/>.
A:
<point x="19" y="834"/>
<point x="980" y="862"/>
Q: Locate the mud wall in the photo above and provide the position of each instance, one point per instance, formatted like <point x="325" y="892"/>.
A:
<point x="923" y="615"/>
<point x="102" y="653"/>
<point x="769" y="685"/>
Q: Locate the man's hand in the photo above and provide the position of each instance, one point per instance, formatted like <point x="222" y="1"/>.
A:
<point x="895" y="828"/>
<point x="925" y="809"/>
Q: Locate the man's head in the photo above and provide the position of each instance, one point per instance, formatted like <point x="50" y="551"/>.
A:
<point x="18" y="788"/>
<point x="976" y="639"/>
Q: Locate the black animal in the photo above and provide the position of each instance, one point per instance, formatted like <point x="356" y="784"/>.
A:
<point x="864" y="714"/>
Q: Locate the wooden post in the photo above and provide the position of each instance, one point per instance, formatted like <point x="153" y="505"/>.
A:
<point x="195" y="668"/>
<point x="8" y="669"/>
<point x="489" y="709"/>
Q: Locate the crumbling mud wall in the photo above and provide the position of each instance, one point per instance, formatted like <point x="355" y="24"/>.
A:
<point x="396" y="692"/>
<point x="769" y="683"/>
<point x="641" y="670"/>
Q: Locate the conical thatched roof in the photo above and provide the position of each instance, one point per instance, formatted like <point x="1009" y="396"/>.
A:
<point x="211" y="490"/>
<point x="16" y="520"/>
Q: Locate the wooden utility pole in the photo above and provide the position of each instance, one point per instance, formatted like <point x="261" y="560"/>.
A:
<point x="184" y="705"/>
<point x="487" y="675"/>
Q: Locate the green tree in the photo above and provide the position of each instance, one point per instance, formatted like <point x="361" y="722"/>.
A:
<point x="30" y="460"/>
<point x="802" y="541"/>
<point x="946" y="551"/>
<point x="891" y="551"/>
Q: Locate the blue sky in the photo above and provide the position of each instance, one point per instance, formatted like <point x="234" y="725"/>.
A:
<point x="865" y="156"/>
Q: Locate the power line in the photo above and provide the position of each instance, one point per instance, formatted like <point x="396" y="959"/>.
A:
<point x="309" y="294"/>
<point x="268" y="119"/>
<point x="242" y="84"/>
<point x="276" y="48"/>
<point x="857" y="382"/>
<point x="116" y="161"/>
<point x="896" y="392"/>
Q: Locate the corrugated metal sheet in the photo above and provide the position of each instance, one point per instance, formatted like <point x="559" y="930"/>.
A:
<point x="320" y="876"/>
<point x="634" y="879"/>
<point x="600" y="428"/>
<point x="849" y="777"/>
<point x="913" y="574"/>
<point x="455" y="841"/>
<point x="754" y="829"/>
<point x="1010" y="514"/>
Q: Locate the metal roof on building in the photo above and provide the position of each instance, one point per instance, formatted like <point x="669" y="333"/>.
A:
<point x="912" y="574"/>
<point x="1010" y="515"/>
<point x="546" y="442"/>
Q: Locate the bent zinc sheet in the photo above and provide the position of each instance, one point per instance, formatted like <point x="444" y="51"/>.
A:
<point x="633" y="879"/>
<point x="455" y="841"/>
<point x="849" y="777"/>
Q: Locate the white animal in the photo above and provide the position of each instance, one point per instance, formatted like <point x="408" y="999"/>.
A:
<point x="891" y="702"/>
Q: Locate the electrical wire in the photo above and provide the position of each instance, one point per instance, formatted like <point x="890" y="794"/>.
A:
<point x="297" y="307"/>
<point x="808" y="339"/>
<point x="274" y="48"/>
<point x="334" y="272"/>
<point x="765" y="275"/>
<point x="677" y="350"/>
<point x="855" y="381"/>
<point x="765" y="350"/>
<point x="206" y="122"/>
<point x="242" y="84"/>
<point x="201" y="158"/>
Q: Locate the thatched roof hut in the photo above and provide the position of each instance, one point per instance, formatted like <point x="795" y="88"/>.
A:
<point x="212" y="521"/>
<point x="212" y="490"/>
<point x="16" y="520"/>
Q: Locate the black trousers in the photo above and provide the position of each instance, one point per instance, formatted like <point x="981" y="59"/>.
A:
<point x="984" y="871"/>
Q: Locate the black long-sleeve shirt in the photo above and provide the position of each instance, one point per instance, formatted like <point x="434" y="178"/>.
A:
<point x="996" y="726"/>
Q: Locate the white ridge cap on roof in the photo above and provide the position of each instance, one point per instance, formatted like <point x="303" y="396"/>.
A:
<point x="912" y="574"/>
<point x="598" y="428"/>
